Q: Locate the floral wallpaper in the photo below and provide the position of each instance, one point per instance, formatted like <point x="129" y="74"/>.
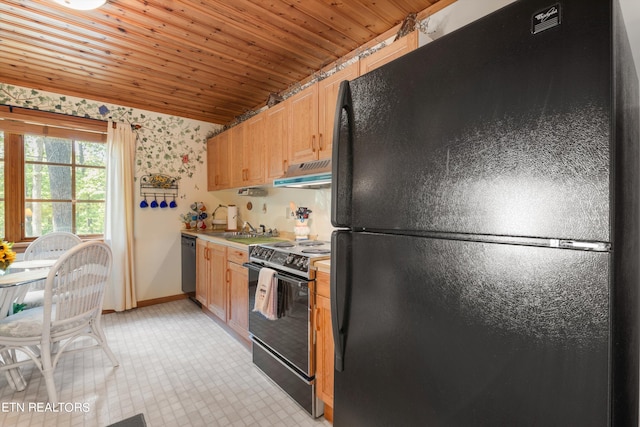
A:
<point x="165" y="144"/>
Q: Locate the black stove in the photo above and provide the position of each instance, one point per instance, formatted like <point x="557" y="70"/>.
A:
<point x="293" y="257"/>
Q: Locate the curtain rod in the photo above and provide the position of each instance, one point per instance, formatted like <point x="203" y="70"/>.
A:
<point x="12" y="107"/>
<point x="133" y="126"/>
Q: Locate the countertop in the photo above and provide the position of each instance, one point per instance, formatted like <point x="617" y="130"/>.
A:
<point x="215" y="239"/>
<point x="324" y="266"/>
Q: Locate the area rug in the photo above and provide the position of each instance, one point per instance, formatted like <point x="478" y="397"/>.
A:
<point x="135" y="421"/>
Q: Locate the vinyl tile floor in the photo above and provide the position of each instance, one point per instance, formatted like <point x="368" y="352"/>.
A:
<point x="177" y="367"/>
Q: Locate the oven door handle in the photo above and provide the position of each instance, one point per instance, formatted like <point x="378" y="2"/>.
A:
<point x="281" y="276"/>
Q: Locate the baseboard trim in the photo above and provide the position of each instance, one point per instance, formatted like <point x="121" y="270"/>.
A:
<point x="146" y="303"/>
<point x="162" y="300"/>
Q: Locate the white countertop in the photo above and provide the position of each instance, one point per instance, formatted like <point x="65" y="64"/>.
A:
<point x="215" y="239"/>
<point x="324" y="265"/>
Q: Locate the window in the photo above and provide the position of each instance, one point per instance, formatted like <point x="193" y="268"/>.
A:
<point x="54" y="176"/>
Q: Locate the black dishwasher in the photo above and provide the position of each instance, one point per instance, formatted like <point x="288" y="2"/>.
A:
<point x="189" y="265"/>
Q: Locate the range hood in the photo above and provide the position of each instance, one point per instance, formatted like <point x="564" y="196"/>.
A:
<point x="315" y="174"/>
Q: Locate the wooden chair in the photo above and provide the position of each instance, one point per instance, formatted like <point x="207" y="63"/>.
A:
<point x="77" y="282"/>
<point x="47" y="246"/>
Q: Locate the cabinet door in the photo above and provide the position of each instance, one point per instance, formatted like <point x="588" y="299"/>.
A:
<point x="237" y="154"/>
<point x="238" y="311"/>
<point x="327" y="99"/>
<point x="218" y="162"/>
<point x="217" y="302"/>
<point x="202" y="269"/>
<point x="324" y="343"/>
<point x="388" y="53"/>
<point x="211" y="164"/>
<point x="276" y="131"/>
<point x="254" y="142"/>
<point x="303" y="126"/>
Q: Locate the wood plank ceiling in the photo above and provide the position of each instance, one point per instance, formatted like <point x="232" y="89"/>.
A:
<point x="209" y="60"/>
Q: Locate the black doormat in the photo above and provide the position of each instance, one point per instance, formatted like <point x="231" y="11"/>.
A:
<point x="135" y="421"/>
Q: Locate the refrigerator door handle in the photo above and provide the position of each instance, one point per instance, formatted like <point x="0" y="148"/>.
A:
<point x="342" y="164"/>
<point x="340" y="288"/>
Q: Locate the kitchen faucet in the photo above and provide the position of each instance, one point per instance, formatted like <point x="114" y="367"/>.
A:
<point x="246" y="223"/>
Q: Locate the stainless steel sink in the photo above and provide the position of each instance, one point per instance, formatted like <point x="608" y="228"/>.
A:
<point x="226" y="234"/>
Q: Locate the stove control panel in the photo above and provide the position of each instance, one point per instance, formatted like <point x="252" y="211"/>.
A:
<point x="278" y="258"/>
<point x="259" y="252"/>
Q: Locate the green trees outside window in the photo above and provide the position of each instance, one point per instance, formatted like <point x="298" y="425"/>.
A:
<point x="64" y="184"/>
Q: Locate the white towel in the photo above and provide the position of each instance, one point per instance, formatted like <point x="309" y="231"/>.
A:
<point x="267" y="294"/>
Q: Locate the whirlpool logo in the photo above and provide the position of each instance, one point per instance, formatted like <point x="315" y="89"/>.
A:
<point x="546" y="18"/>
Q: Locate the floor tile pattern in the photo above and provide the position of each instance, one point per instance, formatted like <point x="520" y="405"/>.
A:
<point x="177" y="367"/>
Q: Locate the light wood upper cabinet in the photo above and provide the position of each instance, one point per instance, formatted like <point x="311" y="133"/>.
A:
<point x="236" y="144"/>
<point x="327" y="100"/>
<point x="218" y="162"/>
<point x="254" y="142"/>
<point x="298" y="130"/>
<point x="388" y="53"/>
<point x="311" y="117"/>
<point x="247" y="142"/>
<point x="276" y="134"/>
<point x="303" y="126"/>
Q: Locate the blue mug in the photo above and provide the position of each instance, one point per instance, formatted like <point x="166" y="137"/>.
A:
<point x="144" y="204"/>
<point x="154" y="204"/>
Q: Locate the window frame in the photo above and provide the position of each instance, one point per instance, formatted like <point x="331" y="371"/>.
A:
<point x="15" y="123"/>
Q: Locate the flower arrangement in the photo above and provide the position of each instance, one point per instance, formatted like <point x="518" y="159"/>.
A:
<point x="7" y="255"/>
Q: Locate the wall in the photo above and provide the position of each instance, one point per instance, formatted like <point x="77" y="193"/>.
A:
<point x="276" y="203"/>
<point x="161" y="143"/>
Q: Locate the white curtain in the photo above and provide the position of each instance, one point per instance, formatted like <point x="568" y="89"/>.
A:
<point x="119" y="214"/>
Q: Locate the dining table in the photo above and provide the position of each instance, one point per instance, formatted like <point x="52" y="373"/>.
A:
<point x="14" y="284"/>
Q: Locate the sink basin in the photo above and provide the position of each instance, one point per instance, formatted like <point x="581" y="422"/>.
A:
<point x="226" y="234"/>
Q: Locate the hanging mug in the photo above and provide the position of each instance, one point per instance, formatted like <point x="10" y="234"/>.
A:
<point x="163" y="203"/>
<point x="154" y="204"/>
<point x="173" y="203"/>
<point x="144" y="203"/>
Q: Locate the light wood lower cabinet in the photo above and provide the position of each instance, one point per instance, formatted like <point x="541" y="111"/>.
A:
<point x="222" y="284"/>
<point x="324" y="343"/>
<point x="202" y="271"/>
<point x="217" y="301"/>
<point x="238" y="291"/>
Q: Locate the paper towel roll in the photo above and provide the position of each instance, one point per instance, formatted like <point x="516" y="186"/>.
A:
<point x="232" y="215"/>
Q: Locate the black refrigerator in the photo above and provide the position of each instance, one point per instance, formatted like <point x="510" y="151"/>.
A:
<point x="485" y="194"/>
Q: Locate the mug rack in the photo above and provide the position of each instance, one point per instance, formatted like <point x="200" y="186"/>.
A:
<point x="157" y="186"/>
